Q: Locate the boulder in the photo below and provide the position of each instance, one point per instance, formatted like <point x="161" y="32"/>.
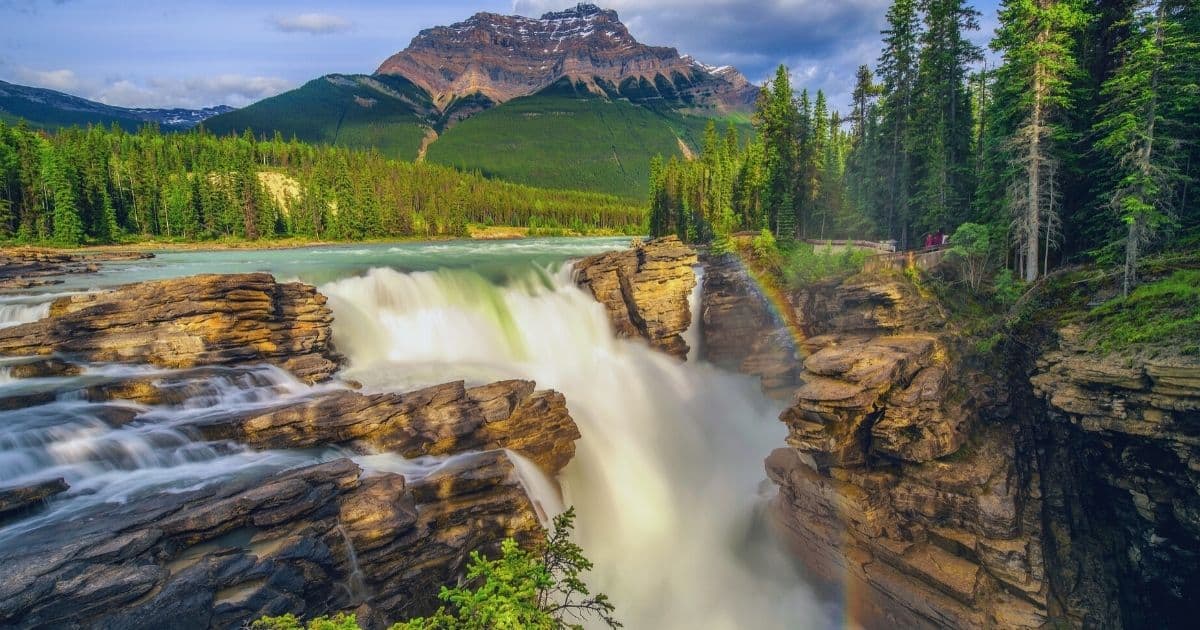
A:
<point x="188" y="322"/>
<point x="645" y="291"/>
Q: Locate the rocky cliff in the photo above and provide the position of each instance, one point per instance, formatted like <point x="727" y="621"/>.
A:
<point x="1117" y="440"/>
<point x="946" y="489"/>
<point x="506" y="56"/>
<point x="646" y="291"/>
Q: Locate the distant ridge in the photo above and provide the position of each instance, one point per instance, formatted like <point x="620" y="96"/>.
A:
<point x="45" y="108"/>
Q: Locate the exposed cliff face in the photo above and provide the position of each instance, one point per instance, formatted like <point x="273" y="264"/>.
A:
<point x="187" y="322"/>
<point x="1118" y="441"/>
<point x="645" y="290"/>
<point x="894" y="481"/>
<point x="506" y="56"/>
<point x="944" y="493"/>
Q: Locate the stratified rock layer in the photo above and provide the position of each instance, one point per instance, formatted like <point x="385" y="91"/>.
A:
<point x="438" y="420"/>
<point x="645" y="290"/>
<point x="893" y="482"/>
<point x="506" y="56"/>
<point x="308" y="541"/>
<point x="187" y="322"/>
<point x="741" y="330"/>
<point x="1120" y="447"/>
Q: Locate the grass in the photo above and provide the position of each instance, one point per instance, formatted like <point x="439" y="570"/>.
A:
<point x="1162" y="312"/>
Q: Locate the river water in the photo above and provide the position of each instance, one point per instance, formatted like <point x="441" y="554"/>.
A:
<point x="668" y="482"/>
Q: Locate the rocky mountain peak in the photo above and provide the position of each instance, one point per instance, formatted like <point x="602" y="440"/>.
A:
<point x="583" y="10"/>
<point x="507" y="56"/>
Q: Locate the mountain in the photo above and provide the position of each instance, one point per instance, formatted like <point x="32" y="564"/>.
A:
<point x="506" y="56"/>
<point x="567" y="100"/>
<point x="49" y="109"/>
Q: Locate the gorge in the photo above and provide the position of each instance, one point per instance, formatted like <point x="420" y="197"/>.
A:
<point x="219" y="447"/>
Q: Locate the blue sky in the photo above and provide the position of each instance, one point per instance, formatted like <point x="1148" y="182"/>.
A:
<point x="192" y="54"/>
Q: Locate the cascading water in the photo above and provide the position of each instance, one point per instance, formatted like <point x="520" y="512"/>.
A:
<point x="667" y="476"/>
<point x="22" y="310"/>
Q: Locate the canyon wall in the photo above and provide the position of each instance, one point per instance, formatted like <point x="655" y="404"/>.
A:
<point x="944" y="487"/>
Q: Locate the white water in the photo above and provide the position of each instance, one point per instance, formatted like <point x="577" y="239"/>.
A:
<point x="22" y="311"/>
<point x="667" y="477"/>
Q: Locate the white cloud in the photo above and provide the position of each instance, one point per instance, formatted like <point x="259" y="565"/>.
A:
<point x="62" y="80"/>
<point x="313" y="23"/>
<point x="191" y="92"/>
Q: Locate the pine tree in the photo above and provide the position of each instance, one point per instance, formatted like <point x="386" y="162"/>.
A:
<point x="942" y="122"/>
<point x="898" y="72"/>
<point x="1144" y="124"/>
<point x="1036" y="37"/>
<point x="68" y="226"/>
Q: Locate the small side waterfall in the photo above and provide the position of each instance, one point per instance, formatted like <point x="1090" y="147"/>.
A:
<point x="356" y="585"/>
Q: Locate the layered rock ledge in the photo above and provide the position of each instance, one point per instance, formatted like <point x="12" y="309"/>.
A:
<point x="894" y="479"/>
<point x="188" y="322"/>
<point x="645" y="291"/>
<point x="26" y="268"/>
<point x="322" y="538"/>
<point x="438" y="420"/>
<point x="1119" y="442"/>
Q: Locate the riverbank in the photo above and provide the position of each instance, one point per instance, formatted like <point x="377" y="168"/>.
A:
<point x="475" y="232"/>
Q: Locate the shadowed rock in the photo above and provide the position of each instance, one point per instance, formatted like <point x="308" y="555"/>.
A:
<point x="187" y="322"/>
<point x="16" y="500"/>
<point x="233" y="551"/>
<point x="645" y="290"/>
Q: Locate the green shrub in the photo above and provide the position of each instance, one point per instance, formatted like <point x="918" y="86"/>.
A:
<point x="535" y="589"/>
<point x="805" y="265"/>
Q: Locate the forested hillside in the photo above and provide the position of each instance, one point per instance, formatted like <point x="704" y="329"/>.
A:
<point x="102" y="185"/>
<point x="1083" y="144"/>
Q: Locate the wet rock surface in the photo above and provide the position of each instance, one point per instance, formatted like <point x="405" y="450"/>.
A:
<point x="28" y="268"/>
<point x="326" y="536"/>
<point x="438" y="420"/>
<point x="742" y="331"/>
<point x="645" y="291"/>
<point x="217" y="556"/>
<point x="188" y="322"/>
<point x="16" y="500"/>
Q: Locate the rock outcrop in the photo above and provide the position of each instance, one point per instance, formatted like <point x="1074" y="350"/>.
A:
<point x="741" y="330"/>
<point x="1058" y="490"/>
<point x="1119" y="445"/>
<point x="26" y="268"/>
<point x="438" y="420"/>
<point x="645" y="290"/>
<point x="506" y="56"/>
<point x="323" y="538"/>
<point x="16" y="500"/>
<point x="895" y="481"/>
<point x="187" y="322"/>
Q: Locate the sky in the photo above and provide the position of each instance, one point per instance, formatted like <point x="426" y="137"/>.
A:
<point x="180" y="53"/>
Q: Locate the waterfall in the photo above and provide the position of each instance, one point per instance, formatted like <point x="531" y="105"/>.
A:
<point x="666" y="481"/>
<point x="22" y="311"/>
